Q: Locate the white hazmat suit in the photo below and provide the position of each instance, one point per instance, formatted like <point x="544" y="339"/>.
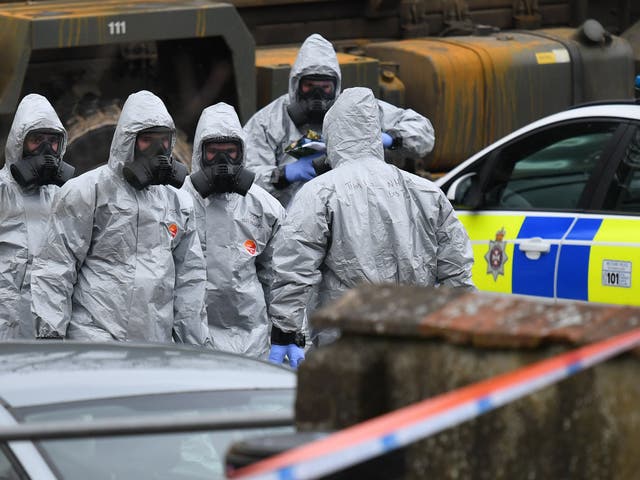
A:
<point x="121" y="263"/>
<point x="236" y="232"/>
<point x="23" y="218"/>
<point x="365" y="221"/>
<point x="271" y="129"/>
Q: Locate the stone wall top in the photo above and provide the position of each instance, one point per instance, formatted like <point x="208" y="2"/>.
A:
<point x="475" y="318"/>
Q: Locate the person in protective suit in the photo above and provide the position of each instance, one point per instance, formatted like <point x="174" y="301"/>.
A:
<point x="364" y="221"/>
<point x="236" y="223"/>
<point x="32" y="173"/>
<point x="314" y="84"/>
<point x="122" y="259"/>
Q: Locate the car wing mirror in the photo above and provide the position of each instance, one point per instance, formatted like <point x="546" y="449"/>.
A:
<point x="465" y="191"/>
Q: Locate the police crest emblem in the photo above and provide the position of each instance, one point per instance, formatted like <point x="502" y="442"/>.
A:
<point x="496" y="257"/>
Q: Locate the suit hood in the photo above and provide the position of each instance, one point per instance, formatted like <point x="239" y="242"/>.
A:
<point x="34" y="112"/>
<point x="142" y="110"/>
<point x="219" y="121"/>
<point x="316" y="57"/>
<point x="352" y="127"/>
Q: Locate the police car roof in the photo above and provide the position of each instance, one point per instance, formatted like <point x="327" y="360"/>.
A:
<point x="614" y="109"/>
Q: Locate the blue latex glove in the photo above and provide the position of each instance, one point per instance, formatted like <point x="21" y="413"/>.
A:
<point x="301" y="170"/>
<point x="387" y="140"/>
<point x="292" y="351"/>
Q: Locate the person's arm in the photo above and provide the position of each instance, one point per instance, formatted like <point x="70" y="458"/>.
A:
<point x="264" y="261"/>
<point x="55" y="269"/>
<point x="261" y="155"/>
<point x="299" y="249"/>
<point x="454" y="252"/>
<point x="412" y="133"/>
<point x="190" y="323"/>
<point x="200" y="213"/>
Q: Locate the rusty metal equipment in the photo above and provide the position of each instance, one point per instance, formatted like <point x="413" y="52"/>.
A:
<point x="87" y="57"/>
<point x="476" y="89"/>
<point x="392" y="89"/>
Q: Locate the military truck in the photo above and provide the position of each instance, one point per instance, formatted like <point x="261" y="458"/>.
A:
<point x="476" y="68"/>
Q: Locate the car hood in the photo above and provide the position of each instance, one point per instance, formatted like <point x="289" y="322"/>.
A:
<point x="37" y="373"/>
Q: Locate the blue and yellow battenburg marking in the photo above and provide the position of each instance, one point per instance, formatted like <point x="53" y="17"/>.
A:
<point x="617" y="241"/>
<point x="591" y="257"/>
<point x="483" y="228"/>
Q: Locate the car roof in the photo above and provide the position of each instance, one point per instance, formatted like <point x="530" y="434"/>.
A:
<point x="48" y="371"/>
<point x="627" y="111"/>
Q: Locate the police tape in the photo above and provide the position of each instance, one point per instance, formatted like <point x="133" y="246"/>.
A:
<point x="399" y="428"/>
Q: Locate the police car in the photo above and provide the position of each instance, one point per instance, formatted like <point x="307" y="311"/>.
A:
<point x="553" y="209"/>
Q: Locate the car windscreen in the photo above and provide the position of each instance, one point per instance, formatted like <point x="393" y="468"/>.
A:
<point x="193" y="455"/>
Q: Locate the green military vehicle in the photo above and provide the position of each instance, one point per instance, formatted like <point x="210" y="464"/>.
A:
<point x="476" y="68"/>
<point x="87" y="57"/>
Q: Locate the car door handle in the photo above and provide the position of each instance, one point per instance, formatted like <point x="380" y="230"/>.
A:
<point x="534" y="247"/>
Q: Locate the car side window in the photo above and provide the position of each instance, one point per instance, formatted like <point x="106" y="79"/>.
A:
<point x="624" y="193"/>
<point x="7" y="469"/>
<point x="549" y="169"/>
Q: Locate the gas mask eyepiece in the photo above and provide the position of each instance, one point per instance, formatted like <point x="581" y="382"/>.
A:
<point x="222" y="170"/>
<point x="41" y="163"/>
<point x="152" y="162"/>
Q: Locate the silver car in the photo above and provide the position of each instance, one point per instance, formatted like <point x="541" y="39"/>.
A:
<point x="51" y="386"/>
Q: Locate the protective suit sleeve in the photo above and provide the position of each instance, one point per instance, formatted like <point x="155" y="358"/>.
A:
<point x="261" y="152"/>
<point x="264" y="261"/>
<point x="414" y="130"/>
<point x="454" y="252"/>
<point x="300" y="247"/>
<point x="200" y="218"/>
<point x="190" y="323"/>
<point x="55" y="269"/>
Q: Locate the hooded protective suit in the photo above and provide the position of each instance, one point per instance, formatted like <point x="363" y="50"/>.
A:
<point x="271" y="129"/>
<point x="23" y="219"/>
<point x="236" y="233"/>
<point x="120" y="263"/>
<point x="365" y="221"/>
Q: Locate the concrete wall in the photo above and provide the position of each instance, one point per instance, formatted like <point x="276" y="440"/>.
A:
<point x="402" y="345"/>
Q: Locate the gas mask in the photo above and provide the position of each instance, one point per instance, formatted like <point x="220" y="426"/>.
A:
<point x="222" y="174"/>
<point x="311" y="106"/>
<point x="154" y="165"/>
<point x="43" y="165"/>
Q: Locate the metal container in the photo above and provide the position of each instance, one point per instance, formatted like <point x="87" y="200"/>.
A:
<point x="603" y="70"/>
<point x="476" y="89"/>
<point x="392" y="89"/>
